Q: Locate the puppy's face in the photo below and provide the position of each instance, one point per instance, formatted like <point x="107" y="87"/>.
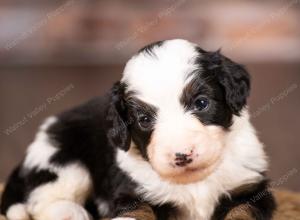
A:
<point x="177" y="106"/>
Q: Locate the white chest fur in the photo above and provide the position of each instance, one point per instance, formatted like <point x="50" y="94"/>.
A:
<point x="194" y="201"/>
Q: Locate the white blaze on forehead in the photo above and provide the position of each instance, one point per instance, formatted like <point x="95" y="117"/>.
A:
<point x="160" y="78"/>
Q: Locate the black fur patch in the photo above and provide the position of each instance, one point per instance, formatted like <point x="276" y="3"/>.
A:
<point x="149" y="48"/>
<point x="140" y="136"/>
<point x="233" y="77"/>
<point x="34" y="178"/>
<point x="165" y="211"/>
<point x="224" y="83"/>
<point x="218" y="112"/>
<point x="117" y="118"/>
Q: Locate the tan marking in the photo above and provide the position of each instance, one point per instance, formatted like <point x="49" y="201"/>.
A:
<point x="241" y="212"/>
<point x="143" y="212"/>
<point x="244" y="188"/>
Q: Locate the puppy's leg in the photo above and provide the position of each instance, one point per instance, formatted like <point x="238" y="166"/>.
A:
<point x="64" y="210"/>
<point x="38" y="185"/>
<point x="62" y="199"/>
<point x="13" y="197"/>
<point x="18" y="212"/>
<point x="58" y="193"/>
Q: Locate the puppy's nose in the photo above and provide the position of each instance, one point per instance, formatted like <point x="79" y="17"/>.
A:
<point x="182" y="159"/>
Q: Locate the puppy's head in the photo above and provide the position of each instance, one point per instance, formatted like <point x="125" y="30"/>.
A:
<point x="174" y="108"/>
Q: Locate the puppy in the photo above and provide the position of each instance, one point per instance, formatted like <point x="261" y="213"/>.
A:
<point x="174" y="133"/>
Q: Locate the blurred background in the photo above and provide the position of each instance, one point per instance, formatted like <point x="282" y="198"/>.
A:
<point x="55" y="54"/>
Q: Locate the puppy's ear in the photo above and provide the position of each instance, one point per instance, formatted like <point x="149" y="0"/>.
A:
<point x="233" y="78"/>
<point x="118" y="132"/>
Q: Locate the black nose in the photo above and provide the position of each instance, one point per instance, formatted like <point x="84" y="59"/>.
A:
<point x="182" y="160"/>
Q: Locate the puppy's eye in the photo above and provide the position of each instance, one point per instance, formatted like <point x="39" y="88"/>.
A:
<point x="201" y="103"/>
<point x="144" y="121"/>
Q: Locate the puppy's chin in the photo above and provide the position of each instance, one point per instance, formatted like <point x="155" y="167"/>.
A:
<point x="186" y="175"/>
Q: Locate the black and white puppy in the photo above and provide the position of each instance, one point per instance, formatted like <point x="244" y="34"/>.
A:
<point x="174" y="132"/>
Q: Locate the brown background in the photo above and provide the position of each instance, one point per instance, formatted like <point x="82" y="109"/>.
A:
<point x="45" y="46"/>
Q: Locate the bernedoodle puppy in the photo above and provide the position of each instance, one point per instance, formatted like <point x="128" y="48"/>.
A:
<point x="171" y="140"/>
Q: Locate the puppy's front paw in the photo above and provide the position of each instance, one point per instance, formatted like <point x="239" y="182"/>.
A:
<point x="63" y="210"/>
<point x="17" y="212"/>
